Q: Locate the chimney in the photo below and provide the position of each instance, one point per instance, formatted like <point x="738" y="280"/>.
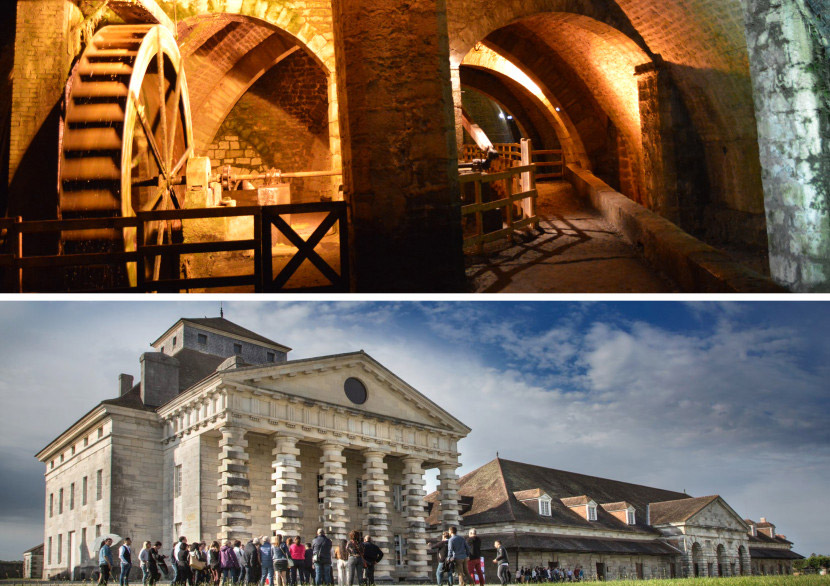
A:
<point x="159" y="378"/>
<point x="763" y="519"/>
<point x="125" y="384"/>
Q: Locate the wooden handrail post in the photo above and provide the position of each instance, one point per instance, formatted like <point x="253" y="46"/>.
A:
<point x="479" y="217"/>
<point x="509" y="182"/>
<point x="258" y="253"/>
<point x="139" y="264"/>
<point x="18" y="252"/>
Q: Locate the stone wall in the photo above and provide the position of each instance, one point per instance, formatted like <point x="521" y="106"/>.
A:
<point x="617" y="567"/>
<point x="85" y="462"/>
<point x="282" y="123"/>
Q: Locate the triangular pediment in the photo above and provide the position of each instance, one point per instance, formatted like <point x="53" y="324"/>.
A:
<point x="718" y="513"/>
<point x="322" y="381"/>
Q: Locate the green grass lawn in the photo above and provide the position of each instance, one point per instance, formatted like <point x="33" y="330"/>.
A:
<point x="735" y="581"/>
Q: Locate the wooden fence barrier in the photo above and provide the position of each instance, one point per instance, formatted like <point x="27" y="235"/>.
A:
<point x="265" y="220"/>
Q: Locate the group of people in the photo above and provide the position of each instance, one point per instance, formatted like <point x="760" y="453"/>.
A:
<point x="541" y="574"/>
<point x="461" y="557"/>
<point x="285" y="562"/>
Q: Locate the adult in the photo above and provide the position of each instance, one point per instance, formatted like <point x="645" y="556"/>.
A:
<point x="215" y="563"/>
<point x="458" y="552"/>
<point x="309" y="563"/>
<point x="502" y="563"/>
<point x="105" y="562"/>
<point x="266" y="556"/>
<point x="125" y="556"/>
<point x="321" y="557"/>
<point x="182" y="560"/>
<point x="228" y="562"/>
<point x="297" y="552"/>
<point x="372" y="555"/>
<point x="280" y="560"/>
<point x="174" y="558"/>
<point x="197" y="564"/>
<point x="444" y="567"/>
<point x="237" y="550"/>
<point x="144" y="562"/>
<point x="474" y="563"/>
<point x="250" y="561"/>
<point x="354" y="559"/>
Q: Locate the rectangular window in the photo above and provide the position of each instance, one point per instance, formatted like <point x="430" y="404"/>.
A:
<point x="400" y="550"/>
<point x="592" y="513"/>
<point x="100" y="432"/>
<point x="51" y="504"/>
<point x="73" y="450"/>
<point x="49" y="551"/>
<point x="631" y="520"/>
<point x="83" y="491"/>
<point x="60" y="503"/>
<point x="97" y="531"/>
<point x="99" y="484"/>
<point x="52" y="465"/>
<point x="177" y="482"/>
<point x="60" y="547"/>
<point x="86" y="441"/>
<point x="237" y="348"/>
<point x="72" y="497"/>
<point x="397" y="497"/>
<point x="359" y="486"/>
<point x="174" y="341"/>
<point x="202" y="339"/>
<point x="270" y="357"/>
<point x="319" y="489"/>
<point x="544" y="508"/>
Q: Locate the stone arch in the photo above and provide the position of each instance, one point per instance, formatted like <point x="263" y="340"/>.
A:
<point x="493" y="61"/>
<point x="698" y="568"/>
<point x="706" y="60"/>
<point x="722" y="560"/>
<point x="744" y="566"/>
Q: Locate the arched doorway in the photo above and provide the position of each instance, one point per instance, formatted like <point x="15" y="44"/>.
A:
<point x="743" y="569"/>
<point x="697" y="560"/>
<point x="722" y="561"/>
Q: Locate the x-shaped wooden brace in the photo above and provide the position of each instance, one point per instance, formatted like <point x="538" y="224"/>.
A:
<point x="305" y="249"/>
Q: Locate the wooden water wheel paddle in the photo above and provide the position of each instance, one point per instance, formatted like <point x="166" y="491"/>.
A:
<point x="125" y="143"/>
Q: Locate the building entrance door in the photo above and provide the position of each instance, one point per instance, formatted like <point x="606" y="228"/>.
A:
<point x="601" y="571"/>
<point x="72" y="558"/>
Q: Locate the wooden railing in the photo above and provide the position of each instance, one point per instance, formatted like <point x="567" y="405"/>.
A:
<point x="519" y="186"/>
<point x="18" y="265"/>
<point x="555" y="161"/>
<point x="542" y="158"/>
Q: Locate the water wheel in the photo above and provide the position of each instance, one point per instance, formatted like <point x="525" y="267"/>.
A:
<point x="125" y="142"/>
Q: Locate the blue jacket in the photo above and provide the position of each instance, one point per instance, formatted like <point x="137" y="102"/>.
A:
<point x="457" y="548"/>
<point x="266" y="554"/>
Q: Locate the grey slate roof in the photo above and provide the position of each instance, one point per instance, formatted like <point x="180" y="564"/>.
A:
<point x="131" y="400"/>
<point x="570" y="543"/>
<point x="220" y="323"/>
<point x="677" y="511"/>
<point x="492" y="489"/>
<point x="771" y="553"/>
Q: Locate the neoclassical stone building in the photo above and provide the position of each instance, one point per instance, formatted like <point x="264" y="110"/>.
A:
<point x="223" y="436"/>
<point x="610" y="529"/>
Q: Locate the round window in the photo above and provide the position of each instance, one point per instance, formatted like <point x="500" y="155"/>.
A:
<point x="355" y="390"/>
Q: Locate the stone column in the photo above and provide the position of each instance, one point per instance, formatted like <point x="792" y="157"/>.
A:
<point x="448" y="491"/>
<point x="398" y="144"/>
<point x="234" y="485"/>
<point x="333" y="471"/>
<point x="787" y="42"/>
<point x="415" y="514"/>
<point x="376" y="501"/>
<point x="286" y="511"/>
<point x="672" y="164"/>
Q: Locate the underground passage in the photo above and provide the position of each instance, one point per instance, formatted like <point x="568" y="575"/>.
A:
<point x="427" y="146"/>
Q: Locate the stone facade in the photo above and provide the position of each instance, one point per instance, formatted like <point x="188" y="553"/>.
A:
<point x="251" y="449"/>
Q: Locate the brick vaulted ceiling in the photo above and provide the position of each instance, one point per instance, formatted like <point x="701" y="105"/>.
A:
<point x="702" y="41"/>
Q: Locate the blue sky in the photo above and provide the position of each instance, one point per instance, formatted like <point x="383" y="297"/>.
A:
<point x="726" y="398"/>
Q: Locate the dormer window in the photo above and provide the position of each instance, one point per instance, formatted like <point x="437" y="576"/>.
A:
<point x="544" y="506"/>
<point x="174" y="341"/>
<point x="592" y="512"/>
<point x="631" y="517"/>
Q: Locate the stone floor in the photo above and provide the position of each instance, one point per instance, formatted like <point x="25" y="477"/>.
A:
<point x="574" y="251"/>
